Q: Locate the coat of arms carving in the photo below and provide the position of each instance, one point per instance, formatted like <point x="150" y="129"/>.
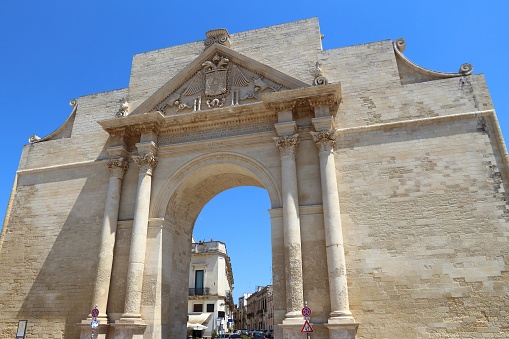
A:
<point x="219" y="83"/>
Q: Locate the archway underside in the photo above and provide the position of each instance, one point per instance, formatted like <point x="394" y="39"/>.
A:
<point x="200" y="187"/>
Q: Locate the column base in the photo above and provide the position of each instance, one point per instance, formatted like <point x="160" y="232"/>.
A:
<point x="293" y="318"/>
<point x="342" y="327"/>
<point x="129" y="319"/>
<point x="129" y="327"/>
<point x="336" y="314"/>
<point x="292" y="330"/>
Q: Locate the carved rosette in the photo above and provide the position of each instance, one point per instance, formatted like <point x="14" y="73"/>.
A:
<point x="147" y="162"/>
<point x="325" y="140"/>
<point x="118" y="167"/>
<point x="287" y="144"/>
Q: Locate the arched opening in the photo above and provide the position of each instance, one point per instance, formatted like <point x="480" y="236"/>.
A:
<point x="239" y="219"/>
<point x="186" y="193"/>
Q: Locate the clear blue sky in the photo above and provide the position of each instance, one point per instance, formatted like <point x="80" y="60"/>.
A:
<point x="53" y="51"/>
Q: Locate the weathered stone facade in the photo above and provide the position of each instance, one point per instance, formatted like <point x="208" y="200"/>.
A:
<point x="386" y="180"/>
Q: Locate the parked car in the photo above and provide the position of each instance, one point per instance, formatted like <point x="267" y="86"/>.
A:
<point x="229" y="335"/>
<point x="244" y="332"/>
<point x="257" y="335"/>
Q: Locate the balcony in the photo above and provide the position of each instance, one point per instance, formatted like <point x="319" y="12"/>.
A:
<point x="208" y="247"/>
<point x="199" y="291"/>
<point x="229" y="299"/>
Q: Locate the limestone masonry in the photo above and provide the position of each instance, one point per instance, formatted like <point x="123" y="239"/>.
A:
<point x="387" y="184"/>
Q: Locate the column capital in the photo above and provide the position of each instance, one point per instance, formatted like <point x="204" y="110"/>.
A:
<point x="287" y="144"/>
<point x="325" y="140"/>
<point x="118" y="167"/>
<point x="147" y="162"/>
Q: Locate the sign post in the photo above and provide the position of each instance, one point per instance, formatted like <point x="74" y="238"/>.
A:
<point x="94" y="324"/>
<point x="306" y="313"/>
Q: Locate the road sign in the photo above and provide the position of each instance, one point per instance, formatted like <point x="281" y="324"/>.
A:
<point x="95" y="313"/>
<point x="306" y="312"/>
<point x="307" y="327"/>
<point x="94" y="324"/>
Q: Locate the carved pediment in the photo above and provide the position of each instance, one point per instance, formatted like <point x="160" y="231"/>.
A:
<point x="219" y="78"/>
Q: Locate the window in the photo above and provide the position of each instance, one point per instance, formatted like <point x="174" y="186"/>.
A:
<point x="198" y="308"/>
<point x="198" y="282"/>
<point x="210" y="307"/>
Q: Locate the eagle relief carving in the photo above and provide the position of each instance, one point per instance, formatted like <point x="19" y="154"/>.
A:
<point x="219" y="83"/>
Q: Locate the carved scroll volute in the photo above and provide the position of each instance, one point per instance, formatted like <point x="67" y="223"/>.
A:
<point x="219" y="35"/>
<point x="118" y="167"/>
<point x="325" y="140"/>
<point x="287" y="144"/>
<point x="147" y="162"/>
<point x="320" y="78"/>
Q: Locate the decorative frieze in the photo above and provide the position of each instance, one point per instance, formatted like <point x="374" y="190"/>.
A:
<point x="145" y="128"/>
<point x="282" y="106"/>
<point x="330" y="100"/>
<point x="287" y="144"/>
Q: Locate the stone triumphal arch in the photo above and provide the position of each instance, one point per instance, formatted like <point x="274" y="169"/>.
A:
<point x="378" y="170"/>
<point x="231" y="143"/>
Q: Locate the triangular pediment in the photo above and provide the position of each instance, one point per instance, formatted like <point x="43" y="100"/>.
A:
<point x="220" y="77"/>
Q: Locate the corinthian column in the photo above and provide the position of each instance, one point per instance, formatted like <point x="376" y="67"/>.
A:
<point x="147" y="163"/>
<point x="291" y="224"/>
<point x="117" y="168"/>
<point x="336" y="264"/>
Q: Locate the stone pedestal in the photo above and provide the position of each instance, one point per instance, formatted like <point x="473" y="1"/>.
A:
<point x="100" y="333"/>
<point x="292" y="328"/>
<point x="342" y="328"/>
<point x="129" y="328"/>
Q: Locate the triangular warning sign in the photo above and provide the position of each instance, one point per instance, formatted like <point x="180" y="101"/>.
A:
<point x="307" y="327"/>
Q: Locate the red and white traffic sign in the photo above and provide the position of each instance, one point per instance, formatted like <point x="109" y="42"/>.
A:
<point x="307" y="327"/>
<point x="95" y="313"/>
<point x="306" y="312"/>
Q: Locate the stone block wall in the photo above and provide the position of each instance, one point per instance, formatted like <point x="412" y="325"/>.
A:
<point x="426" y="222"/>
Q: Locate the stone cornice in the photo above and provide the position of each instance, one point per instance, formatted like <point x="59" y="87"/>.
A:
<point x="133" y="124"/>
<point x="315" y="96"/>
<point x="156" y="122"/>
<point x="159" y="124"/>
